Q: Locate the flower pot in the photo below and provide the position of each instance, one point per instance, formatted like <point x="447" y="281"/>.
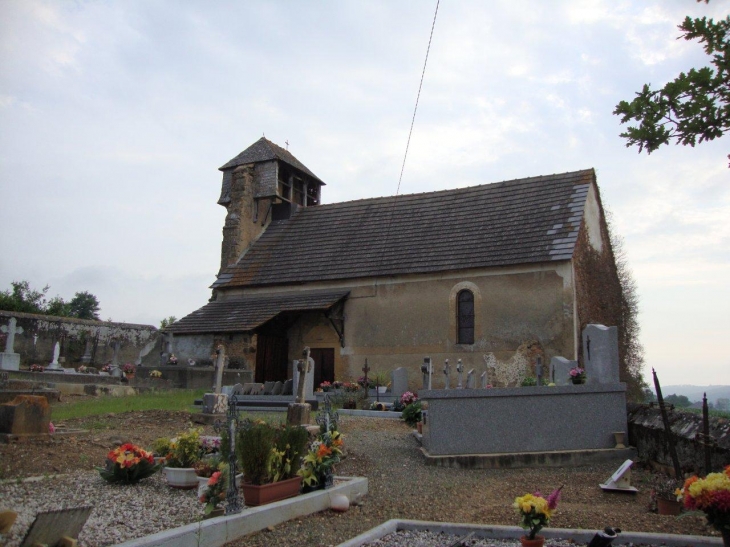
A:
<point x="537" y="542"/>
<point x="419" y="427"/>
<point x="202" y="485"/>
<point x="129" y="375"/>
<point x="619" y="436"/>
<point x="382" y="390"/>
<point x="577" y="380"/>
<point x="254" y="495"/>
<point x="183" y="478"/>
<point x="217" y="512"/>
<point x="668" y="507"/>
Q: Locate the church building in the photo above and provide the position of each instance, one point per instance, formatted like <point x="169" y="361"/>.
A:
<point x="496" y="275"/>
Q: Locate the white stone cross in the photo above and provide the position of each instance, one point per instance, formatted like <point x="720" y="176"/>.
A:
<point x="11" y="330"/>
<point x="304" y="366"/>
<point x="460" y="370"/>
<point x="219" y="363"/>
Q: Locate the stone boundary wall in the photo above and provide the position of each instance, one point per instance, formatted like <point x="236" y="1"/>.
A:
<point x="136" y="343"/>
<point x="646" y="433"/>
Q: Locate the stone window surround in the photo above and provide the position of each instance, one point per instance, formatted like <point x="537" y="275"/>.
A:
<point x="454" y="311"/>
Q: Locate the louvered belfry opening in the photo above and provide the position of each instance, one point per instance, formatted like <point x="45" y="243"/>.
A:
<point x="465" y="317"/>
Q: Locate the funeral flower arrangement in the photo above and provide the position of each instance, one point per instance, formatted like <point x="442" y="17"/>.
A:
<point x="408" y="398"/>
<point x="172" y="360"/>
<point x="128" y="368"/>
<point x="577" y="374"/>
<point x="128" y="464"/>
<point x="319" y="462"/>
<point x="325" y="386"/>
<point x="36" y="368"/>
<point x="107" y="368"/>
<point x="155" y="374"/>
<point x="710" y="495"/>
<point x="185" y="450"/>
<point x="215" y="493"/>
<point x="535" y="511"/>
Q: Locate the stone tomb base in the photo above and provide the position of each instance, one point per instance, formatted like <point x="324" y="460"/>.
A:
<point x="24" y="418"/>
<point x="298" y="414"/>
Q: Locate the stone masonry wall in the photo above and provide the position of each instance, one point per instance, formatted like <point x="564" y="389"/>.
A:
<point x="137" y="343"/>
<point x="646" y="433"/>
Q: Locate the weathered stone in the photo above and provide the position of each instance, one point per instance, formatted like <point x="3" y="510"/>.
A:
<point x="399" y="382"/>
<point x="298" y="414"/>
<point x="25" y="415"/>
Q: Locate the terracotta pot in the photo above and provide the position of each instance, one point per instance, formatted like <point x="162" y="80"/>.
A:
<point x="537" y="542"/>
<point x="668" y="507"/>
<point x="183" y="478"/>
<point x="255" y="495"/>
<point x="129" y="375"/>
<point x="419" y="426"/>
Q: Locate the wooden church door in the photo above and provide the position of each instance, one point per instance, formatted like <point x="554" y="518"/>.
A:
<point x="324" y="365"/>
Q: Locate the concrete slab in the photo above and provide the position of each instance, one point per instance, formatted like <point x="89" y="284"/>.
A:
<point x="579" y="536"/>
<point x="565" y="458"/>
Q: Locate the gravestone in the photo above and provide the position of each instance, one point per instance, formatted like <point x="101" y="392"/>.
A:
<point x="116" y="346"/>
<point x="26" y="416"/>
<point x="268" y="387"/>
<point x="308" y="378"/>
<point x="399" y="381"/>
<point x="86" y="357"/>
<point x="447" y="371"/>
<point x="600" y="354"/>
<point x="277" y="389"/>
<point x="232" y="390"/>
<point x="9" y="360"/>
<point x="539" y="371"/>
<point x="484" y="380"/>
<point x="53" y="365"/>
<point x="560" y="370"/>
<point x="60" y="527"/>
<point x="288" y="388"/>
<point x="298" y="412"/>
<point x="471" y="381"/>
<point x="460" y="370"/>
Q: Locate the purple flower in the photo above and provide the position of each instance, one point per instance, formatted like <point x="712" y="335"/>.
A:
<point x="553" y="498"/>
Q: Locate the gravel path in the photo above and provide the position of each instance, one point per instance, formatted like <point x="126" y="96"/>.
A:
<point x="400" y="486"/>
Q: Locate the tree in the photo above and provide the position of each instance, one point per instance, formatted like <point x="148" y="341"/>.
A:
<point x="694" y="106"/>
<point x="84" y="305"/>
<point x="678" y="400"/>
<point x="167" y="321"/>
<point x="23" y="298"/>
<point x="57" y="306"/>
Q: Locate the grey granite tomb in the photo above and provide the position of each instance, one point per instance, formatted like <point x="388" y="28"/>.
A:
<point x="600" y="354"/>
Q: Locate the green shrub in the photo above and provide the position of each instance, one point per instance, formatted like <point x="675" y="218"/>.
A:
<point x="185" y="450"/>
<point x="292" y="441"/>
<point x="253" y="449"/>
<point x="529" y="381"/>
<point x="412" y="413"/>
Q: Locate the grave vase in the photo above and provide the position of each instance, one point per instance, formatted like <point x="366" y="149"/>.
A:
<point x="183" y="478"/>
<point x="537" y="542"/>
<point x="577" y="380"/>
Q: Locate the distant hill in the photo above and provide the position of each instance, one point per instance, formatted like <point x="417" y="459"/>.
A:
<point x="694" y="393"/>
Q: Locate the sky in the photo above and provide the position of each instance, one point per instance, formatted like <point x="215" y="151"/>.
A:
<point x="115" y="116"/>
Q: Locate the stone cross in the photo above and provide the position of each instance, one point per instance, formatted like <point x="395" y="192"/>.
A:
<point x="447" y="371"/>
<point x="115" y="356"/>
<point x="219" y="363"/>
<point x="303" y="367"/>
<point x="460" y="370"/>
<point x="366" y="369"/>
<point x="11" y="330"/>
<point x="427" y="371"/>
<point x="470" y="380"/>
<point x="484" y="379"/>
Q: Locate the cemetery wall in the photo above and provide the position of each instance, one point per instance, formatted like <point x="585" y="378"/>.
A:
<point x="520" y="313"/>
<point x="41" y="332"/>
<point x="240" y="349"/>
<point x="646" y="433"/>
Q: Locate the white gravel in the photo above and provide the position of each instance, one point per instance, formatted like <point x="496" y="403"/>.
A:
<point x="120" y="512"/>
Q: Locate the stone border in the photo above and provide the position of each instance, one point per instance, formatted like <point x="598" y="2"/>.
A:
<point x="218" y="531"/>
<point x="579" y="536"/>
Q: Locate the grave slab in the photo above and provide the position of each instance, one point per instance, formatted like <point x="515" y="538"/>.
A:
<point x="600" y="354"/>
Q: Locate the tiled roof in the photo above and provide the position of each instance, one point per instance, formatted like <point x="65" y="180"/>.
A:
<point x="246" y="313"/>
<point x="515" y="222"/>
<point x="265" y="150"/>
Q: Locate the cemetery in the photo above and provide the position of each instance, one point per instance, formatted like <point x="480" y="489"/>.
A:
<point x="365" y="473"/>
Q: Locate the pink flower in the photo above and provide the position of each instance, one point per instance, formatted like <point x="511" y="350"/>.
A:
<point x="51" y="428"/>
<point x="554" y="498"/>
<point x="213" y="480"/>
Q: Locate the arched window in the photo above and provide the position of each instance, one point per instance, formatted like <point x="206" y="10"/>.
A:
<point x="465" y="317"/>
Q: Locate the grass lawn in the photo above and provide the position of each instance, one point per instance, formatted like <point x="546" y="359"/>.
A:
<point x="176" y="400"/>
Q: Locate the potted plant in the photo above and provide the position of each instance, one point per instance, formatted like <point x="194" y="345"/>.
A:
<point x="204" y="469"/>
<point x="128" y="464"/>
<point x="664" y="495"/>
<point x="535" y="512"/>
<point x="129" y="369"/>
<point x="318" y="465"/>
<point x="577" y="375"/>
<point x="184" y="453"/>
<point x="269" y="457"/>
<point x="412" y="413"/>
<point x="215" y="492"/>
<point x="160" y="449"/>
<point x="325" y="386"/>
<point x="381" y="382"/>
<point x="711" y="496"/>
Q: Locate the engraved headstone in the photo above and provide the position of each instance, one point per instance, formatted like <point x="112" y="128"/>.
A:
<point x="86" y="357"/>
<point x="116" y="346"/>
<point x="399" y="381"/>
<point x="268" y="387"/>
<point x="447" y="371"/>
<point x="236" y="389"/>
<point x="484" y="380"/>
<point x="288" y="387"/>
<point x="560" y="370"/>
<point x="600" y="354"/>
<point x="278" y="388"/>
